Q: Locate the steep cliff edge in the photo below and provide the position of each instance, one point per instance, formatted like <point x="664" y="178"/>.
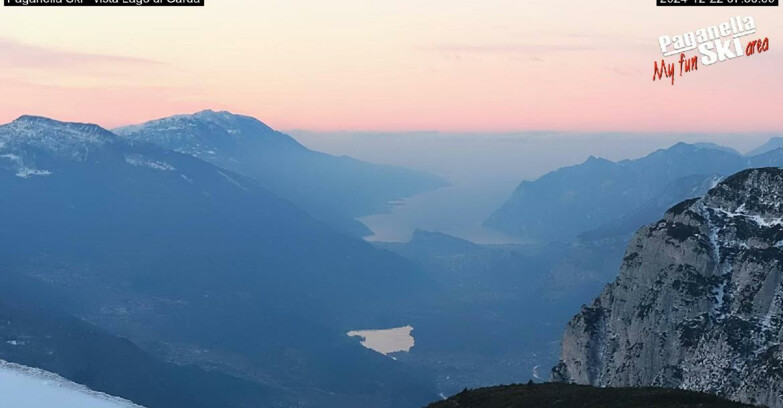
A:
<point x="698" y="303"/>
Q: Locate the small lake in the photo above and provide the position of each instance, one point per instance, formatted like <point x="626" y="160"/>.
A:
<point x="386" y="341"/>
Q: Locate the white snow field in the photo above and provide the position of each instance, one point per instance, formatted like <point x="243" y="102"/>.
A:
<point x="25" y="387"/>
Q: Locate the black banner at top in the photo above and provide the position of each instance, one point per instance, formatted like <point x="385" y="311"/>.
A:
<point x="102" y="3"/>
<point x="718" y="3"/>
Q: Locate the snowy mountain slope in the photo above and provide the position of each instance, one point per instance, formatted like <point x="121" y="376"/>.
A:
<point x="333" y="189"/>
<point x="67" y="139"/>
<point x="25" y="387"/>
<point x="41" y="135"/>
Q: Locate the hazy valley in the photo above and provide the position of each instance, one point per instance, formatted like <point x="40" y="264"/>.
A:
<point x="225" y="259"/>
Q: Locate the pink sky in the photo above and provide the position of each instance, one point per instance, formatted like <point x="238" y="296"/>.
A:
<point x="467" y="65"/>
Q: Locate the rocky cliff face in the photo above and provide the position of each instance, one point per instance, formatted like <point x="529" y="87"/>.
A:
<point x="698" y="303"/>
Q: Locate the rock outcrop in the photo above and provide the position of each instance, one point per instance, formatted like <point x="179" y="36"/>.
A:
<point x="698" y="303"/>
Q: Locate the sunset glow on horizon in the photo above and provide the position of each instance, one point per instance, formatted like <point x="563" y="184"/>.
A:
<point x="468" y="66"/>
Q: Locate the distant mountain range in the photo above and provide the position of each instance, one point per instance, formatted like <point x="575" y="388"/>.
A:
<point x="601" y="196"/>
<point x="676" y="191"/>
<point x="698" y="303"/>
<point x="333" y="189"/>
<point x="194" y="264"/>
<point x="774" y="143"/>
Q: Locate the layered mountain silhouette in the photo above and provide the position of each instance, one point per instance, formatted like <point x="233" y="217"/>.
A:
<point x="619" y="196"/>
<point x="679" y="189"/>
<point x="772" y="144"/>
<point x="334" y="189"/>
<point x="200" y="266"/>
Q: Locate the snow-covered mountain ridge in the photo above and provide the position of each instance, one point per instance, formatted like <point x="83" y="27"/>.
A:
<point x="334" y="189"/>
<point x="207" y="134"/>
<point x="24" y="141"/>
<point x="68" y="139"/>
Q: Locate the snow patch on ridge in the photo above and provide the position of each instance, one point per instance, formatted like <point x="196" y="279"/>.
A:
<point x="70" y="140"/>
<point x="23" y="171"/>
<point x="758" y="219"/>
<point x="141" y="161"/>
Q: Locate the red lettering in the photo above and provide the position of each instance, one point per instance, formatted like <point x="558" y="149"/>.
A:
<point x="751" y="48"/>
<point x="687" y="65"/>
<point x="757" y="46"/>
<point x="663" y="70"/>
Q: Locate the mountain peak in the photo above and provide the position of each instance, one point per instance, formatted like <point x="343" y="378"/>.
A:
<point x="209" y="114"/>
<point x="593" y="162"/>
<point x="33" y="119"/>
<point x="773" y="143"/>
<point x="765" y="176"/>
<point x="752" y="197"/>
<point x="212" y="112"/>
<point x="715" y="146"/>
<point x="754" y="193"/>
<point x="228" y="119"/>
<point x="597" y="160"/>
<point x="42" y="121"/>
<point x="50" y="134"/>
<point x="206" y="133"/>
<point x="684" y="147"/>
<point x="22" y="140"/>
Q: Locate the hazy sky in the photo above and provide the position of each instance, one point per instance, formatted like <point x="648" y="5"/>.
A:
<point x="393" y="65"/>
